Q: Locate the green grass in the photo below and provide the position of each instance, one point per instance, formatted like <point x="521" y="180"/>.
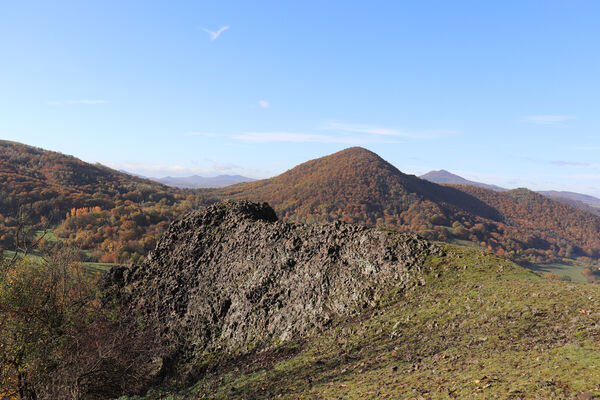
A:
<point x="467" y="243"/>
<point x="573" y="270"/>
<point x="90" y="268"/>
<point x="48" y="235"/>
<point x="480" y="328"/>
<point x="97" y="268"/>
<point x="33" y="256"/>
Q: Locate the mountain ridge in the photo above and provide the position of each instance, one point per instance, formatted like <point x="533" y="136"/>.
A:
<point x="578" y="200"/>
<point x="200" y="182"/>
<point x="445" y="177"/>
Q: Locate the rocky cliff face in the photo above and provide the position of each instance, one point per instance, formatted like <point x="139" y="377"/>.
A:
<point x="232" y="277"/>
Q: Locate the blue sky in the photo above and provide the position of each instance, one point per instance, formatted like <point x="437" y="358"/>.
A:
<point x="504" y="92"/>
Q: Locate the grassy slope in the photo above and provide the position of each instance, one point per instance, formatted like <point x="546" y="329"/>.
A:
<point x="481" y="327"/>
<point x="573" y="269"/>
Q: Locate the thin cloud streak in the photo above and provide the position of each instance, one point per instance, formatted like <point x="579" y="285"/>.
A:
<point x="72" y="102"/>
<point x="215" y="35"/>
<point x="160" y="170"/>
<point x="549" y="119"/>
<point x="355" y="128"/>
<point x="562" y="163"/>
<point x="203" y="134"/>
<point x="381" y="131"/>
<point x="289" y="137"/>
<point x="264" y="104"/>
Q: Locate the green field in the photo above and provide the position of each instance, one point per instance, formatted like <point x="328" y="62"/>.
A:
<point x="90" y="268"/>
<point x="48" y="235"/>
<point x="97" y="268"/>
<point x="572" y="270"/>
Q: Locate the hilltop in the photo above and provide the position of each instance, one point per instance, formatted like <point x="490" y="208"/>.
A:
<point x="356" y="185"/>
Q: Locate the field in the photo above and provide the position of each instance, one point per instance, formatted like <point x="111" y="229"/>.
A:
<point x="574" y="270"/>
<point x="90" y="268"/>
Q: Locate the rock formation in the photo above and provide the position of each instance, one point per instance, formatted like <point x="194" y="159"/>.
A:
<point x="233" y="278"/>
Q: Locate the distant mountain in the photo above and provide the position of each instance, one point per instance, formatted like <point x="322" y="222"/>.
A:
<point x="356" y="185"/>
<point x="444" y="177"/>
<point x="196" y="182"/>
<point x="578" y="200"/>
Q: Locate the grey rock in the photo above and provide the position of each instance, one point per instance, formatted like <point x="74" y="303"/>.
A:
<point x="233" y="278"/>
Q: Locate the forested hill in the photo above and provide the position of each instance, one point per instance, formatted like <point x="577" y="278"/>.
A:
<point x="356" y="185"/>
<point x="50" y="183"/>
<point x="542" y="222"/>
<point x="115" y="216"/>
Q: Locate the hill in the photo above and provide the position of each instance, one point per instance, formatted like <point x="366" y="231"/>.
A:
<point x="539" y="222"/>
<point x="251" y="307"/>
<point x="444" y="177"/>
<point x="357" y="186"/>
<point x="583" y="198"/>
<point x="112" y="215"/>
<point x="577" y="200"/>
<point x="196" y="182"/>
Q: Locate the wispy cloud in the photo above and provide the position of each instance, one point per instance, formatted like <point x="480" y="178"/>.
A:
<point x="215" y="35"/>
<point x="444" y="131"/>
<point x="358" y="128"/>
<point x="72" y="102"/>
<point x="160" y="170"/>
<point x="562" y="163"/>
<point x="332" y="132"/>
<point x="586" y="148"/>
<point x="383" y="131"/>
<point x="264" y="104"/>
<point x="204" y="134"/>
<point x="549" y="119"/>
<point x="269" y="137"/>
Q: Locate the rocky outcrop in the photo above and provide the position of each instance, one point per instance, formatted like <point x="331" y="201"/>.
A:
<point x="232" y="277"/>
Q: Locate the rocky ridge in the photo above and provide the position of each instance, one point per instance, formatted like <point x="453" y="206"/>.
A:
<point x="233" y="278"/>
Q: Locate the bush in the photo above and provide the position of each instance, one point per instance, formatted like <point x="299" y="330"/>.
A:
<point x="61" y="339"/>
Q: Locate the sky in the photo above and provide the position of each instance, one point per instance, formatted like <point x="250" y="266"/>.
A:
<point x="504" y="92"/>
